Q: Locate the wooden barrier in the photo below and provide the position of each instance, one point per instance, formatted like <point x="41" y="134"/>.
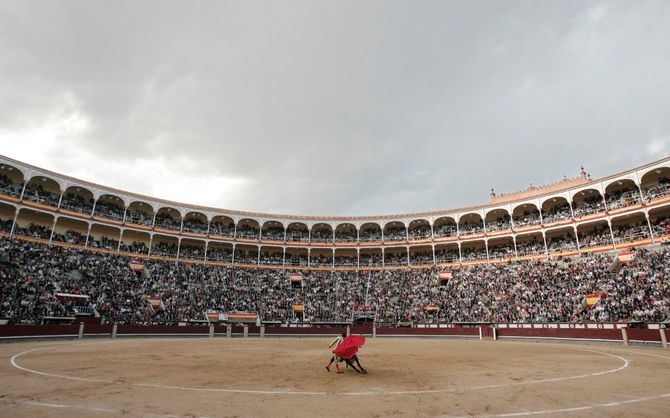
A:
<point x="619" y="333"/>
<point x="560" y="333"/>
<point x="31" y="331"/>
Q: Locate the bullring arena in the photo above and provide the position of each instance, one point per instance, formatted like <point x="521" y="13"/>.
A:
<point x="548" y="301"/>
<point x="284" y="377"/>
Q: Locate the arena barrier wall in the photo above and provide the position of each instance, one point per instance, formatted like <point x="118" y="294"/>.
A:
<point x="429" y="332"/>
<point x="561" y="333"/>
<point x="38" y="331"/>
<point x="157" y="330"/>
<point x="613" y="333"/>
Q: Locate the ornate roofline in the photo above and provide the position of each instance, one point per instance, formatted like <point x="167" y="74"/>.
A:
<point x="560" y="186"/>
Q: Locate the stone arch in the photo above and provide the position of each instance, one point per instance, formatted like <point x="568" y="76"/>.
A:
<point x="77" y="199"/>
<point x="195" y="223"/>
<point x="109" y="206"/>
<point x="168" y="218"/>
<point x="297" y="232"/>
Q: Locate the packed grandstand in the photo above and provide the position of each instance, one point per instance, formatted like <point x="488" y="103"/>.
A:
<point x="574" y="251"/>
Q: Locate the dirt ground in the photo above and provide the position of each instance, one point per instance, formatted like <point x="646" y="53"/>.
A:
<point x="286" y="377"/>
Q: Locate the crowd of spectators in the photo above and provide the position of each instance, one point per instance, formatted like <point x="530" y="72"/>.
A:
<point x="419" y="232"/>
<point x="557" y="213"/>
<point x="445" y="230"/>
<point x="395" y="234"/>
<point x="247" y="232"/>
<point x="502" y="223"/>
<point x="36" y="193"/>
<point x="597" y="236"/>
<point x="297" y="236"/>
<point x="136" y="247"/>
<point x="164" y="248"/>
<point x="166" y="221"/>
<point x="446" y="255"/>
<point x="501" y="251"/>
<point x="346" y="235"/>
<point x="527" y="218"/>
<point x="195" y="225"/>
<point x="395" y="258"/>
<point x="631" y="232"/>
<point x="70" y="237"/>
<point x="222" y="229"/>
<point x="469" y="228"/>
<point x="590" y="205"/>
<point x="139" y="217"/>
<point x="657" y="191"/>
<point x="273" y="234"/>
<point x="562" y="242"/>
<point x="321" y="235"/>
<point x="103" y="242"/>
<point x="421" y="257"/>
<point x="220" y="254"/>
<point x="109" y="210"/>
<point x="77" y="203"/>
<point x="589" y="237"/>
<point x="661" y="226"/>
<point x="9" y="187"/>
<point x="532" y="246"/>
<point x="33" y="230"/>
<point x="370" y="235"/>
<point x="473" y="253"/>
<point x="532" y="291"/>
<point x="623" y="198"/>
<point x="191" y="252"/>
<point x="370" y="259"/>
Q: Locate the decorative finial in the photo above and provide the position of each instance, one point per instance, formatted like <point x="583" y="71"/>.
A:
<point x="583" y="174"/>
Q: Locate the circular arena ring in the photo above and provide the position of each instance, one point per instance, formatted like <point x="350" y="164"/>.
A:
<point x="286" y="377"/>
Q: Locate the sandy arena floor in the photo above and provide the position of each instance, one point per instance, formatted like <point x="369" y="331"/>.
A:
<point x="286" y="377"/>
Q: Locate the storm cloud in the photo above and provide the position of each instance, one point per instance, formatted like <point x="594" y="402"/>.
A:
<point x="333" y="108"/>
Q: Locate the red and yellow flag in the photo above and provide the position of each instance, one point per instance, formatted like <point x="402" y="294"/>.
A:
<point x="593" y="298"/>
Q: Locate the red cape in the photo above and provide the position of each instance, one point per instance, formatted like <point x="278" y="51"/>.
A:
<point x="349" y="346"/>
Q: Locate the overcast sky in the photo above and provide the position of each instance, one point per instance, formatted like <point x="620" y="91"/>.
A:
<point x="333" y="108"/>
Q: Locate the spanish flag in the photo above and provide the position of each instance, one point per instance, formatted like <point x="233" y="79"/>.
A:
<point x="625" y="257"/>
<point x="593" y="298"/>
<point x="298" y="308"/>
<point x="432" y="308"/>
<point x="445" y="276"/>
<point x="296" y="280"/>
<point x="156" y="302"/>
<point x="136" y="266"/>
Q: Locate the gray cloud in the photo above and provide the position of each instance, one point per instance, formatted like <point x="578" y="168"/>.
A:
<point x="336" y="107"/>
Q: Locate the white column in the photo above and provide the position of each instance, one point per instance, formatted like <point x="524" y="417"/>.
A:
<point x="88" y="235"/>
<point x="609" y="225"/>
<point x="53" y="229"/>
<point x="579" y="249"/>
<point x="16" y="216"/>
<point x="624" y="335"/>
<point x="664" y="338"/>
